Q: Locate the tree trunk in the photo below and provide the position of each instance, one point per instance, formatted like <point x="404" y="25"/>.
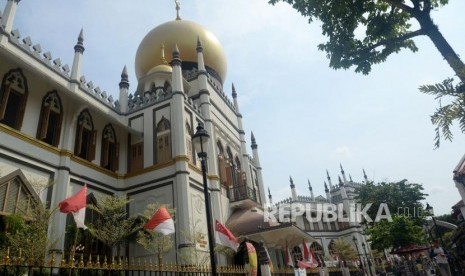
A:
<point x="432" y="31"/>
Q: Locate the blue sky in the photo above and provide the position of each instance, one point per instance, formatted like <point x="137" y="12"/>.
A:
<point x="306" y="117"/>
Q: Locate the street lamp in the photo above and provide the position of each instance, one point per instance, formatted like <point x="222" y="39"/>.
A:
<point x="358" y="252"/>
<point x="429" y="208"/>
<point x="200" y="141"/>
<point x="368" y="260"/>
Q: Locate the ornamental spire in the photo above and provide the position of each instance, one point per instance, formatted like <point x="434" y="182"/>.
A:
<point x="162" y="54"/>
<point x="177" y="9"/>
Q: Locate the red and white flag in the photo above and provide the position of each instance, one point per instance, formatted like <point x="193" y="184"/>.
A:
<point x="289" y="261"/>
<point x="224" y="237"/>
<point x="305" y="248"/>
<point x="76" y="204"/>
<point x="161" y="222"/>
<point x="313" y="260"/>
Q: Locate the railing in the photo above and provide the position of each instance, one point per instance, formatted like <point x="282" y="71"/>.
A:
<point x="94" y="266"/>
<point x="241" y="193"/>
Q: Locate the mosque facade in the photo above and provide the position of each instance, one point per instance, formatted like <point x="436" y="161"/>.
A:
<point x="57" y="126"/>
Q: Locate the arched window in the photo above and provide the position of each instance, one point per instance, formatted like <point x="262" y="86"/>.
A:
<point x="240" y="175"/>
<point x="110" y="149"/>
<point x="331" y="248"/>
<point x="167" y="88"/>
<point x="222" y="165"/>
<point x="163" y="141"/>
<point x="86" y="136"/>
<point x="189" y="142"/>
<point x="51" y="117"/>
<point x="13" y="98"/>
<point x="230" y="170"/>
<point x="316" y="248"/>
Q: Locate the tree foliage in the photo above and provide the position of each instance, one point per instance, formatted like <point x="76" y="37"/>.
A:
<point x="400" y="232"/>
<point x="365" y="32"/>
<point x="401" y="197"/>
<point x="403" y="200"/>
<point x="113" y="226"/>
<point x="152" y="241"/>
<point x="344" y="250"/>
<point x="453" y="110"/>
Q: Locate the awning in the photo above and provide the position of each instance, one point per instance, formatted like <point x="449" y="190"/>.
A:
<point x="251" y="223"/>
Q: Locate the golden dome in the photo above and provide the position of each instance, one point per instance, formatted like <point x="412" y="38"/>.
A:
<point x="184" y="34"/>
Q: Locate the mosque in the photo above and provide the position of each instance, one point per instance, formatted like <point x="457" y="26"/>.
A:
<point x="57" y="126"/>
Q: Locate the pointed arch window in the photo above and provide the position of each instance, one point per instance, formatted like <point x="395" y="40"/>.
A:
<point x="189" y="142"/>
<point x="222" y="165"/>
<point x="167" y="88"/>
<point x="86" y="137"/>
<point x="163" y="141"/>
<point x="110" y="149"/>
<point x="230" y="171"/>
<point x="13" y="98"/>
<point x="50" y="120"/>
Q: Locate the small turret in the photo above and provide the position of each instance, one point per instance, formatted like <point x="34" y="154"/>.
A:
<point x="328" y="194"/>
<point x="340" y="181"/>
<point x="123" y="90"/>
<point x="77" y="61"/>
<point x="343" y="174"/>
<point x="269" y="196"/>
<point x="329" y="180"/>
<point x="293" y="191"/>
<point x="365" y="176"/>
<point x="310" y="189"/>
<point x="9" y="15"/>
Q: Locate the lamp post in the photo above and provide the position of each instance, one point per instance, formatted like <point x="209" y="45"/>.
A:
<point x="200" y="141"/>
<point x="368" y="260"/>
<point x="358" y="252"/>
<point x="429" y="208"/>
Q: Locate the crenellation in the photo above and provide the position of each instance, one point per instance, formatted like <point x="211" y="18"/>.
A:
<point x="47" y="58"/>
<point x="14" y="37"/>
<point x="27" y="43"/>
<point x="37" y="49"/>
<point x="90" y="85"/>
<point x="66" y="69"/>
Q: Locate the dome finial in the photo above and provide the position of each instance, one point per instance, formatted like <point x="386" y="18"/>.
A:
<point x="162" y="55"/>
<point x="177" y="9"/>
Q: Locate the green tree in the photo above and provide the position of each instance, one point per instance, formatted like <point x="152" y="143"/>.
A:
<point x="401" y="197"/>
<point x="400" y="232"/>
<point x="403" y="200"/>
<point x="365" y="32"/>
<point x="152" y="241"/>
<point x="344" y="250"/>
<point x="113" y="226"/>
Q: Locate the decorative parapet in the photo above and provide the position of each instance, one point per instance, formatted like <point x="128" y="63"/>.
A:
<point x="141" y="100"/>
<point x="63" y="70"/>
<point x="36" y="50"/>
<point x="217" y="86"/>
<point x="98" y="94"/>
<point x="189" y="102"/>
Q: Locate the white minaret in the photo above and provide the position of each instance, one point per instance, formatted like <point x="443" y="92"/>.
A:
<point x="9" y="15"/>
<point x="205" y="108"/>
<point x="123" y="90"/>
<point x="293" y="191"/>
<point x="328" y="194"/>
<point x="256" y="160"/>
<point x="179" y="149"/>
<point x="311" y="190"/>
<point x="329" y="180"/>
<point x="365" y="176"/>
<point x="77" y="61"/>
<point x="244" y="156"/>
<point x="343" y="174"/>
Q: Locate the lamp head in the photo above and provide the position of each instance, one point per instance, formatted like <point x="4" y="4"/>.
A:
<point x="200" y="140"/>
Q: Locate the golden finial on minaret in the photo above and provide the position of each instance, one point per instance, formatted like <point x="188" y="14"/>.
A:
<point x="177" y="9"/>
<point x="162" y="57"/>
